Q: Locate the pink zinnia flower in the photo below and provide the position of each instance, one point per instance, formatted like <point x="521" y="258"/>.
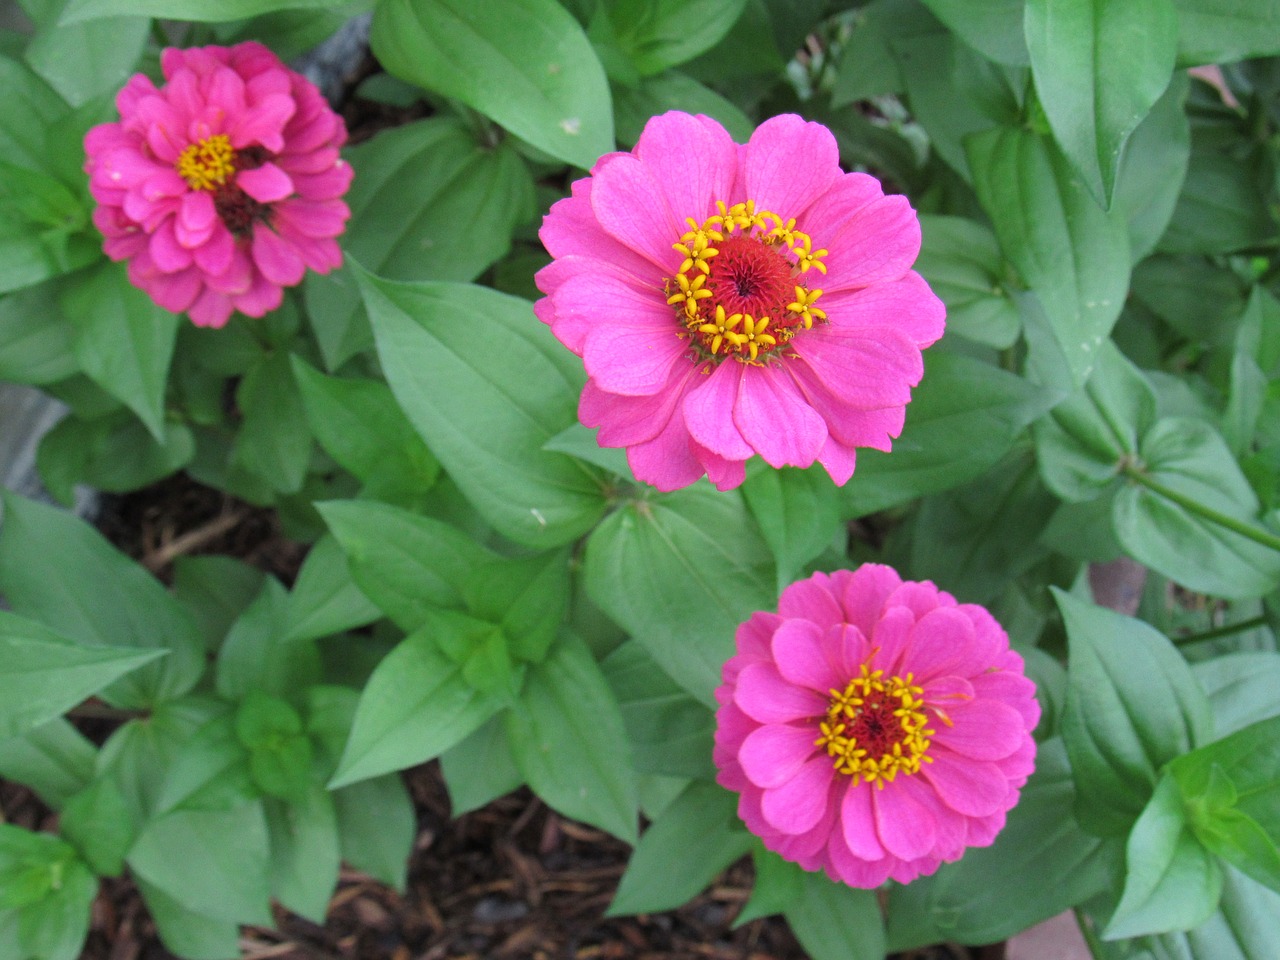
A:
<point x="222" y="186"/>
<point x="874" y="728"/>
<point x="731" y="300"/>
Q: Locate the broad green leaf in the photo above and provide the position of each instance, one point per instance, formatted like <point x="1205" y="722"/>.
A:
<point x="569" y="743"/>
<point x="216" y="589"/>
<point x="415" y="706"/>
<point x="798" y="512"/>
<point x="682" y="851"/>
<point x="992" y="27"/>
<point x="57" y="569"/>
<point x="524" y="63"/>
<point x="527" y="597"/>
<point x="207" y="11"/>
<point x="1221" y="208"/>
<point x="210" y="861"/>
<point x="1082" y="442"/>
<point x="961" y="260"/>
<point x="671" y="733"/>
<point x="43" y="674"/>
<point x="30" y="863"/>
<point x="35" y="338"/>
<point x="835" y="922"/>
<point x="1201" y="299"/>
<point x="963" y="418"/>
<point x="1224" y="31"/>
<point x="680" y="572"/>
<point x="53" y="927"/>
<point x="1189" y="458"/>
<point x="1253" y="366"/>
<point x="28" y="109"/>
<point x="994" y="892"/>
<point x="325" y="599"/>
<point x="305" y="851"/>
<point x="657" y="34"/>
<point x="777" y="886"/>
<point x="209" y="767"/>
<point x="86" y="60"/>
<point x="1132" y="706"/>
<point x="195" y="936"/>
<point x="1099" y="67"/>
<point x="1153" y="166"/>
<point x="55" y="760"/>
<point x="32" y="252"/>
<point x="418" y="233"/>
<point x="273" y="441"/>
<point x="1245" y="926"/>
<point x="279" y="751"/>
<point x="358" y="423"/>
<point x="115" y="453"/>
<point x="867" y="66"/>
<point x="480" y="768"/>
<point x="1072" y="254"/>
<point x="486" y="395"/>
<point x="580" y="442"/>
<point x="123" y="340"/>
<point x="376" y="827"/>
<point x="1171" y="882"/>
<point x="1241" y="688"/>
<point x="405" y="563"/>
<point x="673" y="90"/>
<point x="258" y="655"/>
<point x="98" y="821"/>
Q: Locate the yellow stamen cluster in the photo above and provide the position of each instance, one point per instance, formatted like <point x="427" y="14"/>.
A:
<point x="877" y="728"/>
<point x="208" y="163"/>
<point x="742" y="335"/>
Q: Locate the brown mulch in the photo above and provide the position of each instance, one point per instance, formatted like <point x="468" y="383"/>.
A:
<point x="511" y="881"/>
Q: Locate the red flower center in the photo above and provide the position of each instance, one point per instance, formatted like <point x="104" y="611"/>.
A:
<point x="741" y="290"/>
<point x="876" y="728"/>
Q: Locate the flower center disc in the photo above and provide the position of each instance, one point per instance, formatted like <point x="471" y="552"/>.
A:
<point x="876" y="728"/>
<point x="208" y="163"/>
<point x="740" y="291"/>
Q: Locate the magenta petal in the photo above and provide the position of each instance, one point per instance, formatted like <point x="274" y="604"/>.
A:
<point x="765" y="696"/>
<point x="631" y="207"/>
<point x="811" y="599"/>
<point x="906" y="304"/>
<point x="633" y="355"/>
<point x="847" y="650"/>
<point x="864" y="368"/>
<point x="279" y="262"/>
<point x="1011" y="688"/>
<point x="865" y="592"/>
<point x="858" y="873"/>
<point x="625" y="421"/>
<point x="775" y="420"/>
<point x="905" y="824"/>
<point x="693" y="159"/>
<point x="848" y="194"/>
<point x="773" y="754"/>
<point x="266" y="184"/>
<point x="857" y="823"/>
<point x="788" y="163"/>
<point x="708" y="412"/>
<point x="666" y="461"/>
<point x="800" y="803"/>
<point x="971" y="787"/>
<point x="837" y="459"/>
<point x="982" y="730"/>
<point x="799" y="650"/>
<point x="942" y="643"/>
<point x="891" y="639"/>
<point x="571" y="229"/>
<point x="878" y="244"/>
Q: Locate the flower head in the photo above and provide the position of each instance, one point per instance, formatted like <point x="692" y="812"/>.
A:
<point x="732" y="300"/>
<point x="222" y="186"/>
<point x="874" y="728"/>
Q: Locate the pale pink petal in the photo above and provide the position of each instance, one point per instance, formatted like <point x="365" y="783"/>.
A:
<point x="571" y="229"/>
<point x="864" y="369"/>
<point x="775" y="420"/>
<point x="800" y="803"/>
<point x="829" y="213"/>
<point x="765" y="696"/>
<point x="625" y="421"/>
<point x="773" y="754"/>
<point x="864" y="594"/>
<point x="708" y="412"/>
<point x="789" y="163"/>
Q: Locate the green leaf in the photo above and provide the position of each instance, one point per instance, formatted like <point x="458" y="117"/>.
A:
<point x="778" y="885"/>
<point x="279" y="751"/>
<point x="1153" y="166"/>
<point x="273" y="442"/>
<point x="30" y="865"/>
<point x="992" y="27"/>
<point x="486" y="396"/>
<point x="480" y="768"/>
<point x="86" y="60"/>
<point x="1073" y="255"/>
<point x="405" y="563"/>
<point x="305" y="851"/>
<point x="1099" y="67"/>
<point x="963" y="418"/>
<point x="671" y="733"/>
<point x="28" y="110"/>
<point x="1082" y="442"/>
<point x="994" y="892"/>
<point x="35" y="338"/>
<point x="325" y="599"/>
<point x="416" y="705"/>
<point x="216" y="590"/>
<point x="524" y="63"/>
<point x="1224" y="31"/>
<point x="673" y="90"/>
<point x="1221" y="208"/>
<point x="52" y="925"/>
<point x="569" y="743"/>
<point x="123" y="341"/>
<point x="657" y="34"/>
<point x="1252" y="367"/>
<point x="358" y="423"/>
<point x="44" y="674"/>
<point x="57" y="569"/>
<point x="798" y="512"/>
<point x="1241" y="688"/>
<point x="210" y="861"/>
<point x="394" y="231"/>
<point x="1189" y="458"/>
<point x="961" y="260"/>
<point x="257" y="655"/>
<point x="1132" y="706"/>
<point x="867" y="66"/>
<point x="377" y="826"/>
<point x="54" y="760"/>
<point x="205" y="11"/>
<point x="680" y="572"/>
<point x="193" y="935"/>
<point x="694" y="838"/>
<point x="527" y="597"/>
<point x="1172" y="882"/>
<point x="98" y="821"/>
<point x="835" y="922"/>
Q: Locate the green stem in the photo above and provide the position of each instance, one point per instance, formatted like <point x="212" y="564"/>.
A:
<point x="1224" y="631"/>
<point x="1264" y="537"/>
<point x="1090" y="938"/>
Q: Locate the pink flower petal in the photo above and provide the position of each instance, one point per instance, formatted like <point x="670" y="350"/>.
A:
<point x="800" y="803"/>
<point x="788" y="163"/>
<point x="765" y="696"/>
<point x="773" y="754"/>
<point x="631" y="207"/>
<point x="907" y="304"/>
<point x="666" y="461"/>
<point x="890" y="640"/>
<point x="865" y="593"/>
<point x="838" y="460"/>
<point x="800" y="652"/>
<point x="878" y="244"/>
<point x="279" y="262"/>
<point x="971" y="787"/>
<point x="858" y="873"/>
<point x="571" y="229"/>
<point x="942" y="643"/>
<point x="904" y="819"/>
<point x="633" y="352"/>
<point x="625" y="421"/>
<point x="982" y="730"/>
<point x="829" y="213"/>
<point x="708" y="412"/>
<point x="857" y="823"/>
<point x="693" y="160"/>
<point x="811" y="599"/>
<point x="864" y="369"/>
<point x="1011" y="688"/>
<point x="266" y="184"/>
<point x="775" y="420"/>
